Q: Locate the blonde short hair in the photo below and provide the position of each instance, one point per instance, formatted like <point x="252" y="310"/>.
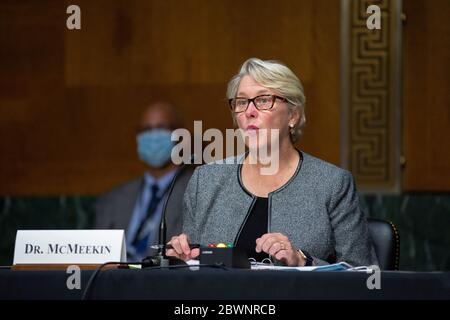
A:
<point x="278" y="77"/>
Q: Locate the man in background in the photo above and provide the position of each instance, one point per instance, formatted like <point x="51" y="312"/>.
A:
<point x="137" y="205"/>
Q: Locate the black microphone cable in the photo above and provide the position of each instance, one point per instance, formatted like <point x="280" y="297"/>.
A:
<point x="94" y="275"/>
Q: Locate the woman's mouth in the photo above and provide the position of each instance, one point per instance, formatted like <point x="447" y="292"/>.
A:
<point x="252" y="128"/>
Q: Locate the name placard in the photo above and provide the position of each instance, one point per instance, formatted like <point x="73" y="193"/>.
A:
<point x="69" y="247"/>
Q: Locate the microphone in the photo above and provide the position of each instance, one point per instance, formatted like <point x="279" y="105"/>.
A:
<point x="161" y="259"/>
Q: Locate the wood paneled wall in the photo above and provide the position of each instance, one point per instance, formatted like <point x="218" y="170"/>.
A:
<point x="426" y="105"/>
<point x="69" y="100"/>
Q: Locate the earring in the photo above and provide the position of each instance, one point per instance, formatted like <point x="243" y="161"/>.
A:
<point x="291" y="128"/>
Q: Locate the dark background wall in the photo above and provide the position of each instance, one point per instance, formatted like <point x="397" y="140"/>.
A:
<point x="426" y="107"/>
<point x="69" y="100"/>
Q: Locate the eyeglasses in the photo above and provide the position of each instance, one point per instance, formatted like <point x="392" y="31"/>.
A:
<point x="263" y="102"/>
<point x="263" y="262"/>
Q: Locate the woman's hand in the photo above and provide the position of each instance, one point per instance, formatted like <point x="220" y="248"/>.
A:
<point x="278" y="246"/>
<point x="181" y="250"/>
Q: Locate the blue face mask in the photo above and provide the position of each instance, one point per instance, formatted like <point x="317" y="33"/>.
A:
<point x="154" y="147"/>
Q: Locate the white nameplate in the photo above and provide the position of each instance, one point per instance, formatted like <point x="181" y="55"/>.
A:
<point x="69" y="246"/>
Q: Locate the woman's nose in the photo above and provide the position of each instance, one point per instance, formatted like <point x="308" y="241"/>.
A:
<point x="251" y="110"/>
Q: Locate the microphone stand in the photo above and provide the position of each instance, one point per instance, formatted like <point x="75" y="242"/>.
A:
<point x="161" y="259"/>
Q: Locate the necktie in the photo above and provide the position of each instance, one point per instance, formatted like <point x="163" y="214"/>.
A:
<point x="141" y="238"/>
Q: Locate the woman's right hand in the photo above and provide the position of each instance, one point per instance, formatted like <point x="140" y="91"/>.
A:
<point x="181" y="250"/>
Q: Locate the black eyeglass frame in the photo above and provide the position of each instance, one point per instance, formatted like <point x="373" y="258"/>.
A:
<point x="273" y="97"/>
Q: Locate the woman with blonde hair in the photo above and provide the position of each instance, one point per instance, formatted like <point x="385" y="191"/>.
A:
<point x="305" y="213"/>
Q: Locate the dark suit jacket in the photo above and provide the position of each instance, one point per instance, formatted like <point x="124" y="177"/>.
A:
<point x="114" y="209"/>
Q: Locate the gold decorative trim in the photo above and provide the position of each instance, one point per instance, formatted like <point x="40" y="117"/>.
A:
<point x="397" y="245"/>
<point x="371" y="95"/>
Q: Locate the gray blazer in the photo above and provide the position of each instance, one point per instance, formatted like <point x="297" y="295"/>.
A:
<point x="113" y="209"/>
<point x="317" y="209"/>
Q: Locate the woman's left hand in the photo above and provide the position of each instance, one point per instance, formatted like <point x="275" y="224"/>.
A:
<point x="278" y="246"/>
